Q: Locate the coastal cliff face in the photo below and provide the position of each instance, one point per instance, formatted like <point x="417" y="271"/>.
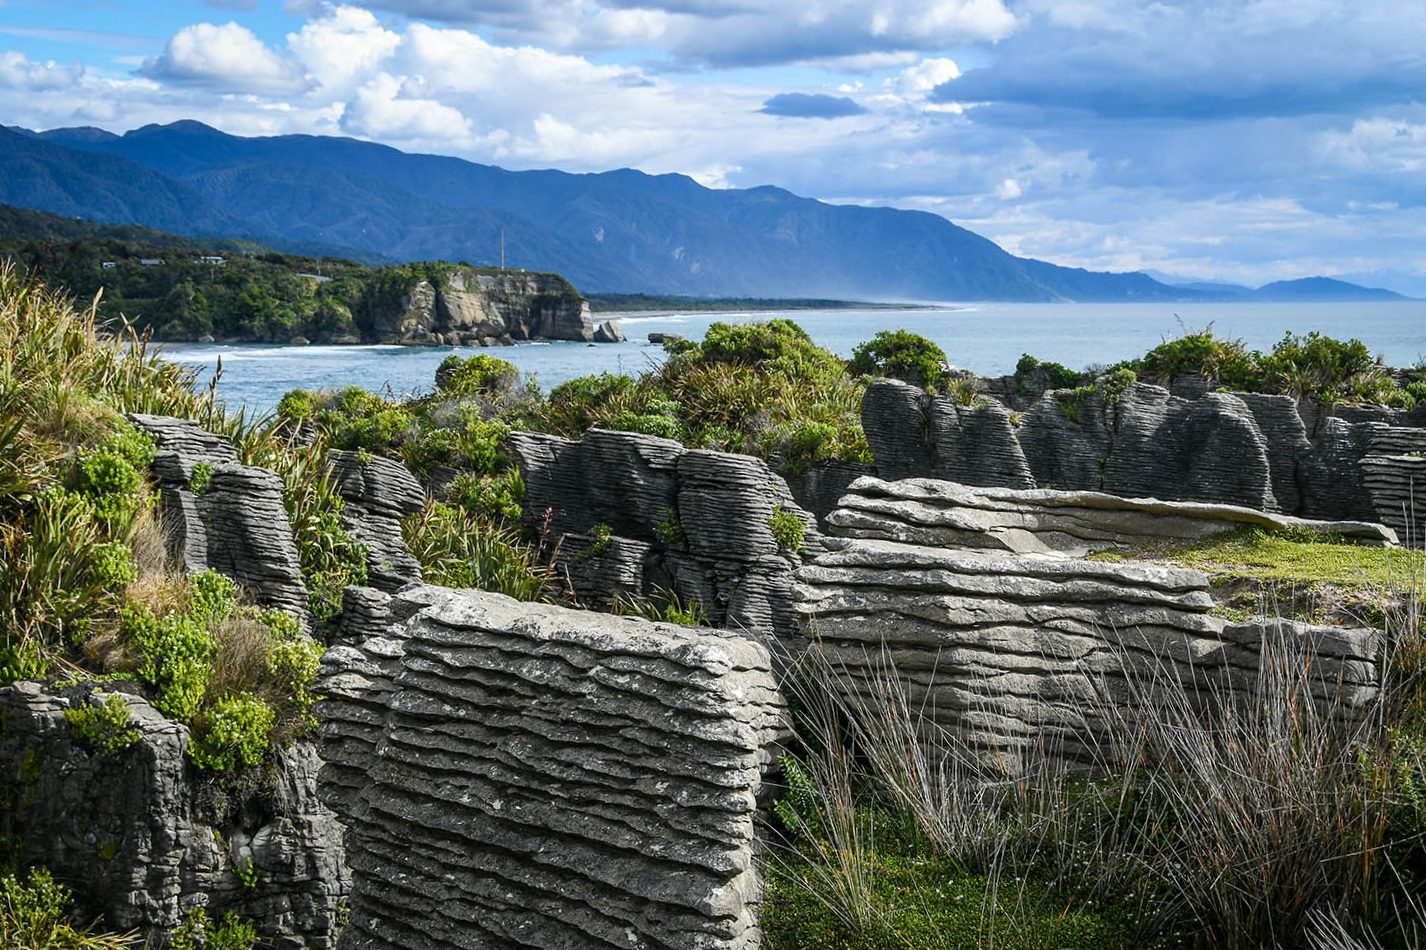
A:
<point x="465" y="307"/>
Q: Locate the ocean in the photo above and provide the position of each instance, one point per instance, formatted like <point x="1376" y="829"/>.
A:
<point x="987" y="338"/>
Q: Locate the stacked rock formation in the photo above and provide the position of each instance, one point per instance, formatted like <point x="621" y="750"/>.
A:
<point x="980" y="602"/>
<point x="378" y="492"/>
<point x="1394" y="472"/>
<point x="629" y="515"/>
<point x="535" y="776"/>
<point x="141" y="838"/>
<point x="1245" y="449"/>
<point x="235" y="523"/>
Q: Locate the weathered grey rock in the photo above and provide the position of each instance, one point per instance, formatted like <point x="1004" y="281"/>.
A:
<point x="1066" y="444"/>
<point x="238" y="526"/>
<point x="378" y="493"/>
<point x="1265" y="452"/>
<point x="1332" y="481"/>
<point x="1285" y="437"/>
<point x="1397" y="485"/>
<point x="976" y="445"/>
<point x="609" y="331"/>
<point x="626" y="515"/>
<point x="820" y="487"/>
<point x="946" y="514"/>
<point x="895" y="426"/>
<point x="1014" y="651"/>
<point x="142" y="837"/>
<point x="550" y="778"/>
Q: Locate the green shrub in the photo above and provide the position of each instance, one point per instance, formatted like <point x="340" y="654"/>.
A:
<point x="292" y="666"/>
<point x="664" y="606"/>
<point x="1330" y="371"/>
<point x="903" y="355"/>
<point x="201" y="479"/>
<point x="174" y="653"/>
<point x="104" y="726"/>
<point x="787" y="530"/>
<point x="1221" y="362"/>
<point x="1058" y="375"/>
<point x="496" y="497"/>
<point x="198" y="933"/>
<point x="35" y="915"/>
<point x="479" y="374"/>
<point x="670" y="529"/>
<point x="580" y="403"/>
<point x="459" y="549"/>
<point x="297" y="405"/>
<point x="599" y="537"/>
<point x="235" y="730"/>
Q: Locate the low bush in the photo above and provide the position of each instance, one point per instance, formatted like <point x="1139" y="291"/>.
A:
<point x="903" y="355"/>
<point x="36" y="914"/>
<point x="787" y="530"/>
<point x="104" y="726"/>
<point x="459" y="549"/>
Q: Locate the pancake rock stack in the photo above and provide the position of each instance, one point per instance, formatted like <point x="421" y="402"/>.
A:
<point x="235" y="524"/>
<point x="633" y="515"/>
<point x="143" y="838"/>
<point x="544" y="777"/>
<point x="981" y="602"/>
<point x="1265" y="452"/>
<point x="378" y="493"/>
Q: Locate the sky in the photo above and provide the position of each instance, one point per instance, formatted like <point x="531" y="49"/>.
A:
<point x="1217" y="140"/>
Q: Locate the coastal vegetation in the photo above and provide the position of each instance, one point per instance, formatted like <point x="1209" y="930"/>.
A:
<point x="1287" y="823"/>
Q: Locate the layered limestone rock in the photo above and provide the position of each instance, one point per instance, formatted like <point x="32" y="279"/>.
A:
<point x="1257" y="451"/>
<point x="526" y="775"/>
<point x="949" y="515"/>
<point x="378" y="493"/>
<point x="473" y="307"/>
<point x="1397" y="484"/>
<point x="230" y="518"/>
<point x="629" y="515"/>
<point x="978" y="602"/>
<point x="142" y="836"/>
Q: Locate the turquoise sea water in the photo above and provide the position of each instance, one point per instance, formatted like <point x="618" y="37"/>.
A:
<point x="987" y="338"/>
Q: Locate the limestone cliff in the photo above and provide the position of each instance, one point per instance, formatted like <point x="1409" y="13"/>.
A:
<point x="464" y="306"/>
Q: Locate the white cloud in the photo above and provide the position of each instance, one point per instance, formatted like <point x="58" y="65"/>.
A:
<point x="228" y="57"/>
<point x="384" y="108"/>
<point x="342" y="46"/>
<point x="18" y="72"/>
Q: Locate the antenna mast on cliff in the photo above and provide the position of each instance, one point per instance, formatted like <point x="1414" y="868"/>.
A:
<point x="502" y="248"/>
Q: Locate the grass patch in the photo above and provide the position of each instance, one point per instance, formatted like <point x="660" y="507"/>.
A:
<point x="1296" y="573"/>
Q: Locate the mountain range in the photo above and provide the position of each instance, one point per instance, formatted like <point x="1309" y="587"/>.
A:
<point x="617" y="231"/>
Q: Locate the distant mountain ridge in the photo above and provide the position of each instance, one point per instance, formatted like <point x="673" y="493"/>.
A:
<point x="618" y="231"/>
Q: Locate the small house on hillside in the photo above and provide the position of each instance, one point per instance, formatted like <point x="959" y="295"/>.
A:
<point x="209" y="259"/>
<point x="151" y="262"/>
<point x="109" y="265"/>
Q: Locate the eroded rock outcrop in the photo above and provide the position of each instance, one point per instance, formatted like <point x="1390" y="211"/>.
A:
<point x="218" y="513"/>
<point x="633" y="515"/>
<point x="378" y="492"/>
<point x="980" y="602"/>
<point x="1257" y="451"/>
<point x="472" y="307"/>
<point x="142" y="837"/>
<point x="526" y="775"/>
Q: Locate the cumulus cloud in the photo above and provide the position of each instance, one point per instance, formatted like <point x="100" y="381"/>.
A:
<point x="18" y="72"/>
<point x="732" y="32"/>
<point x="802" y="105"/>
<point x="227" y="56"/>
<point x="1246" y="139"/>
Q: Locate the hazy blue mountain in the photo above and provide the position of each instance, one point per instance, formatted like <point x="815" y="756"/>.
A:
<point x="1321" y="290"/>
<point x="615" y="231"/>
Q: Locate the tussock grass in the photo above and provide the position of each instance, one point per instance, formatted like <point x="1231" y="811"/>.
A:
<point x="1267" y="817"/>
